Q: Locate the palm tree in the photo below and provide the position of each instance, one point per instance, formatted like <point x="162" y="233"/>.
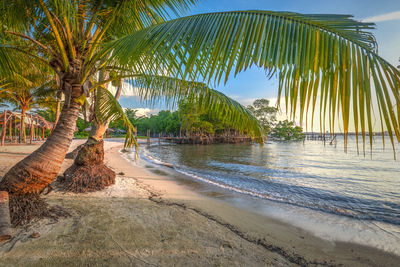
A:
<point x="28" y="92"/>
<point x="151" y="89"/>
<point x="330" y="57"/>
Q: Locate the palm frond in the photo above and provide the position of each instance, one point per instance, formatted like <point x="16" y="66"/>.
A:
<point x="171" y="91"/>
<point x="330" y="57"/>
<point x="108" y="109"/>
<point x="138" y="15"/>
<point x="17" y="13"/>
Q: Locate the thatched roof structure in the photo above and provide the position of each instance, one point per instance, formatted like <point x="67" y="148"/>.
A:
<point x="35" y="119"/>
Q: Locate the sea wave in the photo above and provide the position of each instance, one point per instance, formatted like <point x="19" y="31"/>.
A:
<point x="312" y="198"/>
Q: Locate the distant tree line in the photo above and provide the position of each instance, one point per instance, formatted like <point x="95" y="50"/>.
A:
<point x="188" y="120"/>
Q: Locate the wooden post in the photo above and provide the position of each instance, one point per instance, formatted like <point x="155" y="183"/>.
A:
<point x="31" y="129"/>
<point x="5" y="224"/>
<point x="15" y="129"/>
<point x="148" y="135"/>
<point x="43" y="133"/>
<point x="3" y="135"/>
<point x="37" y="129"/>
<point x="10" y="128"/>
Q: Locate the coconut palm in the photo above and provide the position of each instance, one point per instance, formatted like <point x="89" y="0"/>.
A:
<point x="89" y="172"/>
<point x="327" y="57"/>
<point x="27" y="92"/>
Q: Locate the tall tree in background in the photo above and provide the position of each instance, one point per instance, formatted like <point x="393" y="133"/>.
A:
<point x="265" y="113"/>
<point x="287" y="130"/>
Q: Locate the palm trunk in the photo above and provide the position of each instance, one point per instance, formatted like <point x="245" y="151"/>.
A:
<point x="5" y="223"/>
<point x="57" y="116"/>
<point x="39" y="169"/>
<point x="88" y="173"/>
<point x="22" y="134"/>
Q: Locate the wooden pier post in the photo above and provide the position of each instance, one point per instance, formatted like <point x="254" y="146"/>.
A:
<point x="5" y="224"/>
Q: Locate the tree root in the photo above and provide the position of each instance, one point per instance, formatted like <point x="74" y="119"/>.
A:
<point x="29" y="207"/>
<point x="82" y="179"/>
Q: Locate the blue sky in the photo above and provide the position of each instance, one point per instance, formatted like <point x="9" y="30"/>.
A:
<point x="253" y="84"/>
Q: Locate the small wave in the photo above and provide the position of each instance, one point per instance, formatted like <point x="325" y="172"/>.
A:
<point x="158" y="162"/>
<point x="312" y="198"/>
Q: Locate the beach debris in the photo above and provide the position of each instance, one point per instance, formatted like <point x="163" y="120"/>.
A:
<point x="5" y="220"/>
<point x="168" y="165"/>
<point x="121" y="173"/>
<point x="35" y="235"/>
<point x="26" y="208"/>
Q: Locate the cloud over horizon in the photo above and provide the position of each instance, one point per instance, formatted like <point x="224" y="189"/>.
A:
<point x="384" y="17"/>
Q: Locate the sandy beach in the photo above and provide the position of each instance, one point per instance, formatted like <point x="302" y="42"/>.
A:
<point x="149" y="218"/>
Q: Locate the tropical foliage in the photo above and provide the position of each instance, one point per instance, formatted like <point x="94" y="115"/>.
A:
<point x="287" y="131"/>
<point x="26" y="91"/>
<point x="265" y="113"/>
<point x="164" y="123"/>
<point x="195" y="121"/>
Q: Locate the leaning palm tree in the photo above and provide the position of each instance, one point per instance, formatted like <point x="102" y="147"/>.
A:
<point x="88" y="173"/>
<point x="329" y="58"/>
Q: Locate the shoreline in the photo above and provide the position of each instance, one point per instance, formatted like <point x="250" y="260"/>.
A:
<point x="280" y="235"/>
<point x="233" y="234"/>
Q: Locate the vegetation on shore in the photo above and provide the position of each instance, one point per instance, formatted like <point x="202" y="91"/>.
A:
<point x="189" y="121"/>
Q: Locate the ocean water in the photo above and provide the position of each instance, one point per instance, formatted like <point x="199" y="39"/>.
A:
<point x="336" y="195"/>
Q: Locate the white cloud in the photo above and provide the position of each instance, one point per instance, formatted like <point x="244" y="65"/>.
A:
<point x="384" y="17"/>
<point x="145" y="112"/>
<point x="127" y="89"/>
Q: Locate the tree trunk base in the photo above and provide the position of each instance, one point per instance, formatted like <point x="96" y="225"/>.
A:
<point x="88" y="173"/>
<point x="5" y="223"/>
<point x="82" y="179"/>
<point x="74" y="153"/>
<point x="29" y="207"/>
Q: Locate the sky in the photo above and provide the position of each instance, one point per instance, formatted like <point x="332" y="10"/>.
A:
<point x="252" y="84"/>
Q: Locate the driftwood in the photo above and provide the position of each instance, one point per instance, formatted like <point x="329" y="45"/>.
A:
<point x="5" y="221"/>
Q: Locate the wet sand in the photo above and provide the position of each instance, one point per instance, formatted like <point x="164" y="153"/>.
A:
<point x="152" y="219"/>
